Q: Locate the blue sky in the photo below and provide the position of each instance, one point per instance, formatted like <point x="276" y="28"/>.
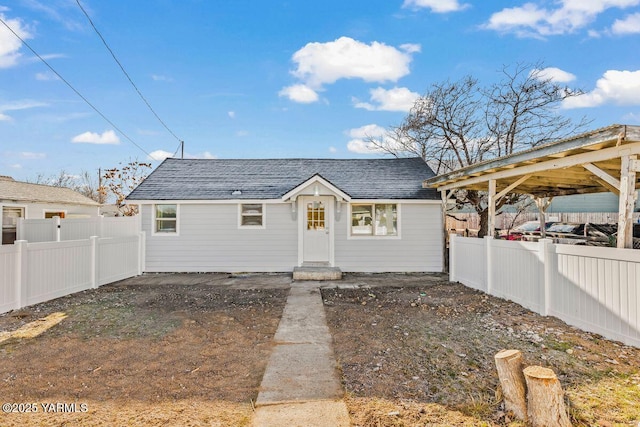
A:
<point x="240" y="79"/>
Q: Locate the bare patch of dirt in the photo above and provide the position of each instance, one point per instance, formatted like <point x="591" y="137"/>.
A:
<point x="422" y="354"/>
<point x="142" y="355"/>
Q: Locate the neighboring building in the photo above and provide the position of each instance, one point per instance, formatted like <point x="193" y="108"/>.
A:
<point x="271" y="215"/>
<point x="31" y="201"/>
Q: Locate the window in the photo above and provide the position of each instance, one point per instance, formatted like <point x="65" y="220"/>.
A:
<point x="51" y="214"/>
<point x="166" y="218"/>
<point x="374" y="219"/>
<point x="315" y="216"/>
<point x="251" y="215"/>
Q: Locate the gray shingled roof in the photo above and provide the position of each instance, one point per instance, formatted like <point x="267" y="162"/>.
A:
<point x="216" y="179"/>
<point x="37" y="193"/>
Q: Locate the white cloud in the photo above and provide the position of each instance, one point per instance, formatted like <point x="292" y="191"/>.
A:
<point x="231" y="114"/>
<point x="9" y="43"/>
<point x="436" y="6"/>
<point x="46" y="77"/>
<point x="18" y="105"/>
<point x="32" y="155"/>
<point x="207" y="155"/>
<point x="531" y="20"/>
<point x="106" y="137"/>
<point x="396" y="99"/>
<point x="159" y="155"/>
<point x="299" y="93"/>
<point x="554" y="74"/>
<point x="345" y="58"/>
<point x="160" y="78"/>
<point x="16" y="166"/>
<point x="628" y="25"/>
<point x="359" y="142"/>
<point x="242" y="133"/>
<point x="333" y="150"/>
<point x="614" y="87"/>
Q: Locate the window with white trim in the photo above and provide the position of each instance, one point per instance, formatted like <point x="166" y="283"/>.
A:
<point x="166" y="218"/>
<point x="252" y="215"/>
<point x="374" y="219"/>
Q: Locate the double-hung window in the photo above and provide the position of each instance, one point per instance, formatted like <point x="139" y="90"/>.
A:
<point x="166" y="218"/>
<point x="374" y="219"/>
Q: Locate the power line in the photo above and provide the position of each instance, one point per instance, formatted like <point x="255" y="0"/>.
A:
<point x="124" y="71"/>
<point x="74" y="89"/>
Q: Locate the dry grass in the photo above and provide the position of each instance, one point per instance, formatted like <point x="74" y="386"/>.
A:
<point x="191" y="413"/>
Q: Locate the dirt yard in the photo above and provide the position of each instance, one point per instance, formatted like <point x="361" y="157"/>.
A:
<point x="422" y="355"/>
<point x="414" y="350"/>
<point x="140" y="354"/>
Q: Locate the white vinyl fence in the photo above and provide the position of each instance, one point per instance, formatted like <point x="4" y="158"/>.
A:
<point x="31" y="273"/>
<point x="593" y="288"/>
<point x="61" y="229"/>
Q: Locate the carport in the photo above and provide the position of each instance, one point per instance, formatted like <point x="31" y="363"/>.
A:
<point x="602" y="160"/>
<point x="593" y="288"/>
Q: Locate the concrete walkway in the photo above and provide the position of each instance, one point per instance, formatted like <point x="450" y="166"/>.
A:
<point x="301" y="385"/>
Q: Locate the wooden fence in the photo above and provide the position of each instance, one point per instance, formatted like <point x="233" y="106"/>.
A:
<point x="31" y="273"/>
<point x="596" y="289"/>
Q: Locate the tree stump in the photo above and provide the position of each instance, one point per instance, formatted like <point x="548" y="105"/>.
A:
<point x="509" y="366"/>
<point x="545" y="398"/>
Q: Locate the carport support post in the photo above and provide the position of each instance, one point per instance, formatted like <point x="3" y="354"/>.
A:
<point x="491" y="229"/>
<point x="543" y="204"/>
<point x="628" y="168"/>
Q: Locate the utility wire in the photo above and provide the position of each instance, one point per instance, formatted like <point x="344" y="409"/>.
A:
<point x="74" y="89"/>
<point x="124" y="71"/>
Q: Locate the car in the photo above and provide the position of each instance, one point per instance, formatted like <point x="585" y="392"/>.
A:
<point x="527" y="228"/>
<point x="583" y="234"/>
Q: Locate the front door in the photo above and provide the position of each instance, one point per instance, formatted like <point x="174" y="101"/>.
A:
<point x="316" y="229"/>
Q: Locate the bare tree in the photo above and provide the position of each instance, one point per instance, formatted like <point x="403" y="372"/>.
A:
<point x="120" y="181"/>
<point x="84" y="183"/>
<point x="460" y="123"/>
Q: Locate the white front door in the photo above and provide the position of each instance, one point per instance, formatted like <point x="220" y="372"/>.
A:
<point x="316" y="229"/>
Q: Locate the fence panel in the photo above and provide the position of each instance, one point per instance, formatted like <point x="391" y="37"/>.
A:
<point x="469" y="261"/>
<point x="37" y="230"/>
<point x="120" y="226"/>
<point x="8" y="297"/>
<point x="79" y="228"/>
<point x="117" y="258"/>
<point x="517" y="272"/>
<point x="56" y="269"/>
<point x="598" y="289"/>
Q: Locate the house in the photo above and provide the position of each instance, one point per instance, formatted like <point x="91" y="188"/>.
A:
<point x="272" y="215"/>
<point x="32" y="201"/>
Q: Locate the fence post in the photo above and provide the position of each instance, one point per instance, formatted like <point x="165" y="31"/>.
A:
<point x="452" y="254"/>
<point x="489" y="262"/>
<point x="142" y="252"/>
<point x="546" y="249"/>
<point x="101" y="226"/>
<point x="94" y="261"/>
<point x="57" y="225"/>
<point x="22" y="265"/>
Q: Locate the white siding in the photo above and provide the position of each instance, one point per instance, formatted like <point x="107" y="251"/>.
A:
<point x="37" y="210"/>
<point x="419" y="248"/>
<point x="209" y="240"/>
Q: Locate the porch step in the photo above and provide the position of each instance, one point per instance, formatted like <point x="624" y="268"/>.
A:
<point x="316" y="273"/>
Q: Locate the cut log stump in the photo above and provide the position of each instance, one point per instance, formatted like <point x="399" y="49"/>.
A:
<point x="545" y="398"/>
<point x="509" y="366"/>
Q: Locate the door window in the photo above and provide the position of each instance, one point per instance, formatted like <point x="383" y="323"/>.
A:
<point x="315" y="216"/>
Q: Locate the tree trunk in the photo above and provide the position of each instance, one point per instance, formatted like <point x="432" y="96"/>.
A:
<point x="484" y="222"/>
<point x="545" y="398"/>
<point x="509" y="366"/>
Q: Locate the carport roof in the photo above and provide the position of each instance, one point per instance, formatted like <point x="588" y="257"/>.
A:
<point x="586" y="163"/>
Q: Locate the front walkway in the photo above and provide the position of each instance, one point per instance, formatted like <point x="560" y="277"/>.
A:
<point x="301" y="384"/>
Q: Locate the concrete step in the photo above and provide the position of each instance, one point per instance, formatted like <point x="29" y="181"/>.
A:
<point x="317" y="273"/>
